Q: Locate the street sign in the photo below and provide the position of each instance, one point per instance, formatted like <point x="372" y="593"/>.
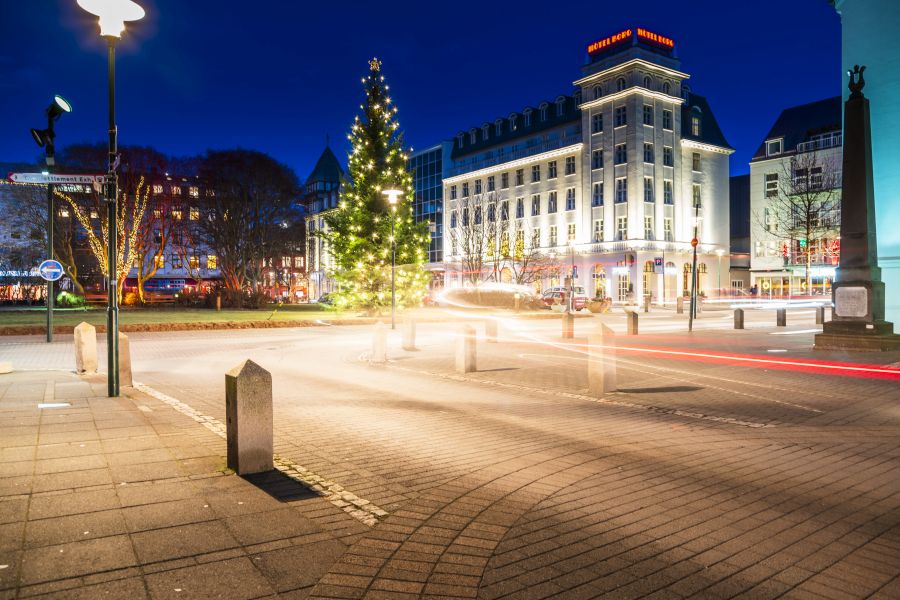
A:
<point x="658" y="266"/>
<point x="51" y="270"/>
<point x="56" y="178"/>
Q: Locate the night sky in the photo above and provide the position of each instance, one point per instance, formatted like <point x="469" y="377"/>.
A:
<point x="281" y="75"/>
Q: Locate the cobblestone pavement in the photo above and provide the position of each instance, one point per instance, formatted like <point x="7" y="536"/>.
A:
<point x="701" y="477"/>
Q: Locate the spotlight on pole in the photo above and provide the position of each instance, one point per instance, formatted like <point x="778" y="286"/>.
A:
<point x="393" y="197"/>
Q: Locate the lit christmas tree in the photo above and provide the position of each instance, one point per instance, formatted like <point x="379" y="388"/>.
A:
<point x="358" y="232"/>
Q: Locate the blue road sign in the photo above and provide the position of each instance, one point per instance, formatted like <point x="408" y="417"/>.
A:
<point x="51" y="270"/>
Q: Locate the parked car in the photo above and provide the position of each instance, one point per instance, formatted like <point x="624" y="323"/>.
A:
<point x="552" y="298"/>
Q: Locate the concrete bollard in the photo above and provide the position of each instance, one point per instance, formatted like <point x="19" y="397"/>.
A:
<point x="602" y="361"/>
<point x="248" y="418"/>
<point x="518" y="302"/>
<point x="218" y="302"/>
<point x="465" y="350"/>
<point x="85" y="348"/>
<point x="5" y="367"/>
<point x="820" y="315"/>
<point x="646" y="304"/>
<point x="409" y="334"/>
<point x="490" y="331"/>
<point x="379" y="343"/>
<point x="632" y="321"/>
<point x="568" y="326"/>
<point x="739" y="318"/>
<point x="679" y="305"/>
<point x="124" y="361"/>
<point x="781" y="317"/>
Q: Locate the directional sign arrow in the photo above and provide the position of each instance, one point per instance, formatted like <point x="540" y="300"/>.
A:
<point x="56" y="178"/>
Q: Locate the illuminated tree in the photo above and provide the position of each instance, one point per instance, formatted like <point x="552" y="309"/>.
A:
<point x="358" y="231"/>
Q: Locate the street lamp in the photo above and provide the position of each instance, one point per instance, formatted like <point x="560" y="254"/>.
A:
<point x="45" y="138"/>
<point x="694" y="243"/>
<point x="113" y="14"/>
<point x="393" y="197"/>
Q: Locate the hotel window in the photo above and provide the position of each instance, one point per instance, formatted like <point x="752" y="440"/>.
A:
<point x="570" y="165"/>
<point x="194" y="214"/>
<point x="194" y="192"/>
<point x="176" y="190"/>
<point x="298" y="262"/>
<point x="621" y="190"/>
<point x="648" y="83"/>
<point x="94" y="214"/>
<point x="648" y="153"/>
<point x="492" y="212"/>
<point x="477" y="186"/>
<point x="535" y="205"/>
<point x="648" y="228"/>
<point x="520" y="176"/>
<point x="598" y="91"/>
<point x="176" y="214"/>
<point x="667" y="191"/>
<point x="490" y="181"/>
<point x="520" y="208"/>
<point x="620" y="84"/>
<point x="157" y="212"/>
<point x="695" y="125"/>
<point x="504" y="181"/>
<point x="498" y="127"/>
<point x="667" y="120"/>
<point x="597" y="159"/>
<point x="620" y="116"/>
<point x="621" y="228"/>
<point x="668" y="160"/>
<point x="621" y="154"/>
<point x="536" y="237"/>
<point x="598" y="230"/>
<point x="478" y="215"/>
<point x="159" y="261"/>
<point x="453" y="192"/>
<point x="551" y="203"/>
<point x="648" y="114"/>
<point x="597" y="123"/>
<point x="773" y="147"/>
<point x="465" y="190"/>
<point x="667" y="229"/>
<point x="551" y="170"/>
<point x="285" y="262"/>
<point x="570" y="232"/>
<point x="560" y="107"/>
<point x="553" y="235"/>
<point x="648" y="189"/>
<point x="194" y="262"/>
<point x="485" y="129"/>
<point x="667" y="88"/>
<point x="695" y="161"/>
<point x="157" y="189"/>
<point x="771" y="185"/>
<point x="535" y="173"/>
<point x="695" y="195"/>
<point x="527" y="115"/>
<point x="504" y="210"/>
<point x="543" y="113"/>
<point x="597" y="198"/>
<point x="570" y="199"/>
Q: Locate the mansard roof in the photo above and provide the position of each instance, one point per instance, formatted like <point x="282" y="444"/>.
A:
<point x="710" y="132"/>
<point x="328" y="169"/>
<point x="798" y="123"/>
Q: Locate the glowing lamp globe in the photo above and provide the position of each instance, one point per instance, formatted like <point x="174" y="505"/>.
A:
<point x="393" y="196"/>
<point x="113" y="14"/>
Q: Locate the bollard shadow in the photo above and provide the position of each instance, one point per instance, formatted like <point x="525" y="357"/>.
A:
<point x="496" y="370"/>
<point x="661" y="390"/>
<point x="280" y="486"/>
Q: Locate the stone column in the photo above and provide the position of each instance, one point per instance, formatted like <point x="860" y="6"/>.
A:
<point x="124" y="361"/>
<point x="465" y="350"/>
<point x="632" y="321"/>
<point x="85" y="348"/>
<point x="602" y="361"/>
<point x="248" y="412"/>
<point x="379" y="343"/>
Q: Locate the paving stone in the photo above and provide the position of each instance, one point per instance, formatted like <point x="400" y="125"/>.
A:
<point x="235" y="579"/>
<point x="182" y="541"/>
<point x="76" y="558"/>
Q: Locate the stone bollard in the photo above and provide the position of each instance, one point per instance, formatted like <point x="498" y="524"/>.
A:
<point x="379" y="343"/>
<point x="218" y="302"/>
<point x="5" y="367"/>
<point x="679" y="305"/>
<point x="699" y="305"/>
<point x="85" y="348"/>
<point x="465" y="350"/>
<point x="490" y="331"/>
<point x="739" y="318"/>
<point x="646" y="304"/>
<point x="781" y="317"/>
<point x="248" y="418"/>
<point x="518" y="302"/>
<point x="632" y="321"/>
<point x="124" y="361"/>
<point x="568" y="325"/>
<point x="409" y="334"/>
<point x="602" y="361"/>
<point x="820" y="315"/>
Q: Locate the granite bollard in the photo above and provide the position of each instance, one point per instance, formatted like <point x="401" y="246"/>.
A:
<point x="820" y="315"/>
<point x="646" y="304"/>
<point x="379" y="343"/>
<point x="248" y="418"/>
<point x="465" y="350"/>
<point x="490" y="331"/>
<point x="602" y="361"/>
<point x="739" y="318"/>
<point x="632" y="321"/>
<point x="85" y="348"/>
<point x="409" y="334"/>
<point x="781" y="317"/>
<point x="124" y="361"/>
<point x="568" y="325"/>
<point x="679" y="305"/>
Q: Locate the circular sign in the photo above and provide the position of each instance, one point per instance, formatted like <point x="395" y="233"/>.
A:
<point x="51" y="270"/>
<point x="694" y="242"/>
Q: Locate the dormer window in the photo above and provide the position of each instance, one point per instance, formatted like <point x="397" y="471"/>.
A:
<point x="485" y="130"/>
<point x="598" y="91"/>
<point x="560" y="106"/>
<point x="667" y="88"/>
<point x="472" y="136"/>
<point x="577" y="97"/>
<point x="695" y="121"/>
<point x="620" y="84"/>
<point x="459" y="139"/>
<point x="527" y="115"/>
<point x="773" y="147"/>
<point x="512" y="122"/>
<point x="498" y="126"/>
<point x="648" y="83"/>
<point x="544" y="111"/>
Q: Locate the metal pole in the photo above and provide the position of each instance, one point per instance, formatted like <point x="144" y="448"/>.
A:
<point x="572" y="279"/>
<point x="692" y="313"/>
<point x="49" y="257"/>
<point x="112" y="191"/>
<point x="393" y="266"/>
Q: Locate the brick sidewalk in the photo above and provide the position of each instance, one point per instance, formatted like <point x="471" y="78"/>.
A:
<point x="128" y="498"/>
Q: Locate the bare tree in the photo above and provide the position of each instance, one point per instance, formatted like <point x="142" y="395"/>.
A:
<point x="803" y="211"/>
<point x="528" y="261"/>
<point x="472" y="226"/>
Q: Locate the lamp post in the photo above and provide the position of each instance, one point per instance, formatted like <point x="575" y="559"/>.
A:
<point x="720" y="252"/>
<point x="694" y="243"/>
<point x="112" y="16"/>
<point x="46" y="138"/>
<point x="570" y="304"/>
<point x="393" y="196"/>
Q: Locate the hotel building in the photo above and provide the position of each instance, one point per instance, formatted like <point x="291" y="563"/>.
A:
<point x="615" y="179"/>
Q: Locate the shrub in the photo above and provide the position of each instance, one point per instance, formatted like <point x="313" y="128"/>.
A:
<point x="69" y="300"/>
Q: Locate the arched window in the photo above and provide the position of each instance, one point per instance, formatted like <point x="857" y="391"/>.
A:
<point x="543" y="108"/>
<point x="667" y="88"/>
<point x="620" y="84"/>
<point x="527" y="115"/>
<point x="598" y="91"/>
<point x="648" y="82"/>
<point x="459" y="138"/>
<point x="472" y="136"/>
<point x="485" y="131"/>
<point x="512" y="122"/>
<point x="560" y="106"/>
<point x="498" y="127"/>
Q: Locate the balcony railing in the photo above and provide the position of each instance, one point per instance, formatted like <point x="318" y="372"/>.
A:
<point x="831" y="141"/>
<point x="497" y="159"/>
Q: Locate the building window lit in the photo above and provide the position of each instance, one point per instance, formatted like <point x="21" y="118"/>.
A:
<point x="648" y="227"/>
<point x="194" y="214"/>
<point x="695" y="161"/>
<point x="597" y="198"/>
<point x="551" y="203"/>
<point x="194" y="262"/>
<point x="94" y="214"/>
<point x="157" y="189"/>
<point x="771" y="185"/>
<point x="194" y="192"/>
<point x="695" y="126"/>
<point x="64" y="213"/>
<point x="570" y="165"/>
<point x="176" y="190"/>
<point x="620" y="116"/>
<point x="621" y="228"/>
<point x="159" y="261"/>
<point x="535" y="205"/>
<point x="176" y="214"/>
<point x="570" y="232"/>
<point x="648" y="189"/>
<point x="667" y="120"/>
<point x="598" y="230"/>
<point x="667" y="229"/>
<point x="621" y="190"/>
<point x="553" y="238"/>
<point x="773" y="147"/>
<point x="298" y="262"/>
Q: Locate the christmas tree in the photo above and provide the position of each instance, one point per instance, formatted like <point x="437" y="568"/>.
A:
<point x="358" y="232"/>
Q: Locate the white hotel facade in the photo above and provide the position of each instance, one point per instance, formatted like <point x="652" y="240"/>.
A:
<point x="617" y="175"/>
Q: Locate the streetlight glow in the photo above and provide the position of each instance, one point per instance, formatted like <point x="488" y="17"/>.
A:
<point x="393" y="196"/>
<point x="113" y="14"/>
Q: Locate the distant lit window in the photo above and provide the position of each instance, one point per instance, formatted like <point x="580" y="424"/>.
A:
<point x="695" y="126"/>
<point x="194" y="262"/>
<point x="570" y="232"/>
<point x="176" y="214"/>
<point x="194" y="214"/>
<point x="194" y="192"/>
<point x="157" y="189"/>
<point x="176" y="190"/>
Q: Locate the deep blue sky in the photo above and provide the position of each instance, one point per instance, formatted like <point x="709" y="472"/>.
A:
<point x="280" y="75"/>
